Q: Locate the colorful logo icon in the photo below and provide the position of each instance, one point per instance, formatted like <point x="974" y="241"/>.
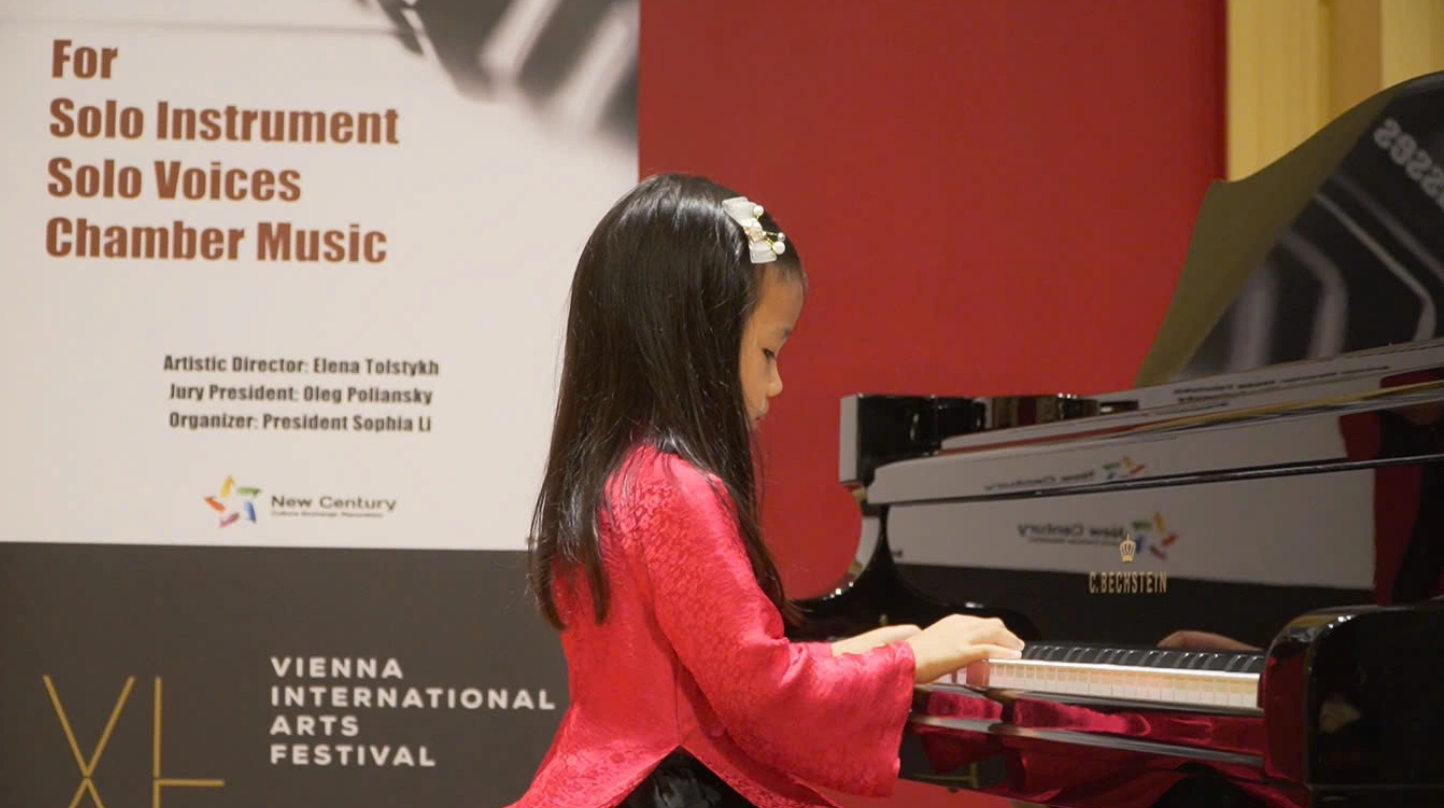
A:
<point x="1152" y="534"/>
<point x="1125" y="467"/>
<point x="234" y="503"/>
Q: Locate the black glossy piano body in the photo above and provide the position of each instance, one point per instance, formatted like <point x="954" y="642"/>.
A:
<point x="1312" y="530"/>
<point x="1274" y="485"/>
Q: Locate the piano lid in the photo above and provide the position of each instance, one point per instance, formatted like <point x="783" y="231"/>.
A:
<point x="1336" y="247"/>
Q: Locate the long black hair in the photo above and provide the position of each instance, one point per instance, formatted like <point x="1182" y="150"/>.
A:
<point x="659" y="300"/>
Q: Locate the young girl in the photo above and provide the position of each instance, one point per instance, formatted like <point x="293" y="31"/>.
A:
<point x="646" y="552"/>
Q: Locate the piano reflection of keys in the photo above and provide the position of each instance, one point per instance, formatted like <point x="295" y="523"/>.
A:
<point x="1229" y="577"/>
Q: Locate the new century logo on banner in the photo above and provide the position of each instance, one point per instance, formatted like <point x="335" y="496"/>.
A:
<point x="234" y="503"/>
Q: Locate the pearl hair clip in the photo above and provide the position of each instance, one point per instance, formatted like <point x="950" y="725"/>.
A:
<point x="764" y="246"/>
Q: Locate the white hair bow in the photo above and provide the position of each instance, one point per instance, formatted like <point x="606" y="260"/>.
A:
<point x="764" y="246"/>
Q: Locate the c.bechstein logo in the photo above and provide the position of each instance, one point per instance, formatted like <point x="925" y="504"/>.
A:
<point x="1150" y="534"/>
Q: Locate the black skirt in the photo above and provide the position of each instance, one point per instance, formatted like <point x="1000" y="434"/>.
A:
<point x="681" y="781"/>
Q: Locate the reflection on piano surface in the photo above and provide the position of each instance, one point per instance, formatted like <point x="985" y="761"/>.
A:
<point x="1230" y="576"/>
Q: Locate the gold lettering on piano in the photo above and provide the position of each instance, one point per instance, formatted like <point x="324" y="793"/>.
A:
<point x="1128" y="583"/>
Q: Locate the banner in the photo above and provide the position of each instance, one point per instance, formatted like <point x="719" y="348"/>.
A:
<point x="284" y="290"/>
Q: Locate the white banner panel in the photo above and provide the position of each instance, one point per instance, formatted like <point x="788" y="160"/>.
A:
<point x="293" y="273"/>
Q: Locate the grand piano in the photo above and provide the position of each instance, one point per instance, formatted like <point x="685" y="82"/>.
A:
<point x="1229" y="576"/>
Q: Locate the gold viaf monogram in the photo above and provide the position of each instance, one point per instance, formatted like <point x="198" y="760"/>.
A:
<point x="87" y="766"/>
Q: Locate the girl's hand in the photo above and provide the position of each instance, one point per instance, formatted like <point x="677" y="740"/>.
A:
<point x="957" y="641"/>
<point x="877" y="638"/>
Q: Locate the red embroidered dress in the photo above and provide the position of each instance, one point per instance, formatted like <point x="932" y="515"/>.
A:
<point x="692" y="656"/>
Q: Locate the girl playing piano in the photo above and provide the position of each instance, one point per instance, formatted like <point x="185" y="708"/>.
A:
<point x="646" y="552"/>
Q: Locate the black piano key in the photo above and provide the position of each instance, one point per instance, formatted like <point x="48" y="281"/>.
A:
<point x="1169" y="659"/>
<point x="1046" y="651"/>
<point x="1238" y="663"/>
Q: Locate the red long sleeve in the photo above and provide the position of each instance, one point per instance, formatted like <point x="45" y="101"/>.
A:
<point x="832" y="721"/>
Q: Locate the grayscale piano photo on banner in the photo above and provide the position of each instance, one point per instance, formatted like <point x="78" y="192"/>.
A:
<point x="1229" y="577"/>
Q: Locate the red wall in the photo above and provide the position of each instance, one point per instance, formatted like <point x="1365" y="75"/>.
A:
<point x="990" y="198"/>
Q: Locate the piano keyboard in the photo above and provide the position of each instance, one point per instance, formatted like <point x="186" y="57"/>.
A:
<point x="1197" y="678"/>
